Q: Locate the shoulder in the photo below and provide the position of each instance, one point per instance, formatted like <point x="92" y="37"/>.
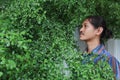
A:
<point x="113" y="62"/>
<point x="110" y="57"/>
<point x="106" y="53"/>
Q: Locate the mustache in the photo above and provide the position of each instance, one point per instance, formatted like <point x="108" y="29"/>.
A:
<point x="81" y="33"/>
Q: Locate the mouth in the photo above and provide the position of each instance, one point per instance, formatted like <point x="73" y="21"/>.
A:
<point x="81" y="34"/>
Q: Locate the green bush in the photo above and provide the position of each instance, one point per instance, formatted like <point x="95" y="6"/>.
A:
<point x="37" y="41"/>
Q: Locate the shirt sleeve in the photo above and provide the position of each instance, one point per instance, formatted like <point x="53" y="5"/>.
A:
<point x="114" y="63"/>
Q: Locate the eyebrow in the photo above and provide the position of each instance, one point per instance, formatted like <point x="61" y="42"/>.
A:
<point x="84" y="24"/>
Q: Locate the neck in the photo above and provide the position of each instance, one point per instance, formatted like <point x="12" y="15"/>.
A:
<point x="92" y="44"/>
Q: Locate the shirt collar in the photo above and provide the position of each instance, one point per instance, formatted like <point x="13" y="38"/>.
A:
<point x="98" y="49"/>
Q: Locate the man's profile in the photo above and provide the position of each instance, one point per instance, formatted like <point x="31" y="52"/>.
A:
<point x="94" y="32"/>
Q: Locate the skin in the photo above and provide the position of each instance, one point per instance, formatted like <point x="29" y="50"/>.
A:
<point x="90" y="35"/>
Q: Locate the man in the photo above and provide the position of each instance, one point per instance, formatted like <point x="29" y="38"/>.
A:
<point x="94" y="32"/>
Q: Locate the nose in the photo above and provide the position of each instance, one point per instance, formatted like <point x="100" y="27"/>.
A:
<point x="81" y="29"/>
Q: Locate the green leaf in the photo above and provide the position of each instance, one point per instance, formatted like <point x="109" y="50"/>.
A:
<point x="11" y="64"/>
<point x="1" y="73"/>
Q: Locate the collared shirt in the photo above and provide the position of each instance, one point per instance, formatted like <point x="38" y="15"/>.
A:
<point x="113" y="62"/>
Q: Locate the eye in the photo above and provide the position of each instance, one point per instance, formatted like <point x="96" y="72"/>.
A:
<point x="86" y="26"/>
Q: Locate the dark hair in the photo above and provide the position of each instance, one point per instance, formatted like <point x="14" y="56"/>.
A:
<point x="98" y="21"/>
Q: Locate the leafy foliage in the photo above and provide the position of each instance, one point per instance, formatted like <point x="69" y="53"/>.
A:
<point x="37" y="41"/>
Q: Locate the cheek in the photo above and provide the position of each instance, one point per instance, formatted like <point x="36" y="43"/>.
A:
<point x="89" y="33"/>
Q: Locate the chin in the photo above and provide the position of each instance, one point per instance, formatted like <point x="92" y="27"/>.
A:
<point x="82" y="39"/>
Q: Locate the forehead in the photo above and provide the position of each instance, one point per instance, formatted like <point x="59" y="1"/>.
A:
<point x="86" y="21"/>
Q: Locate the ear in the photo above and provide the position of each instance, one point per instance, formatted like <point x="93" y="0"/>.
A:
<point x="99" y="30"/>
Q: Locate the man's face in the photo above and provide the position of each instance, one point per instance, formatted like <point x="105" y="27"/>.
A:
<point x="87" y="31"/>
